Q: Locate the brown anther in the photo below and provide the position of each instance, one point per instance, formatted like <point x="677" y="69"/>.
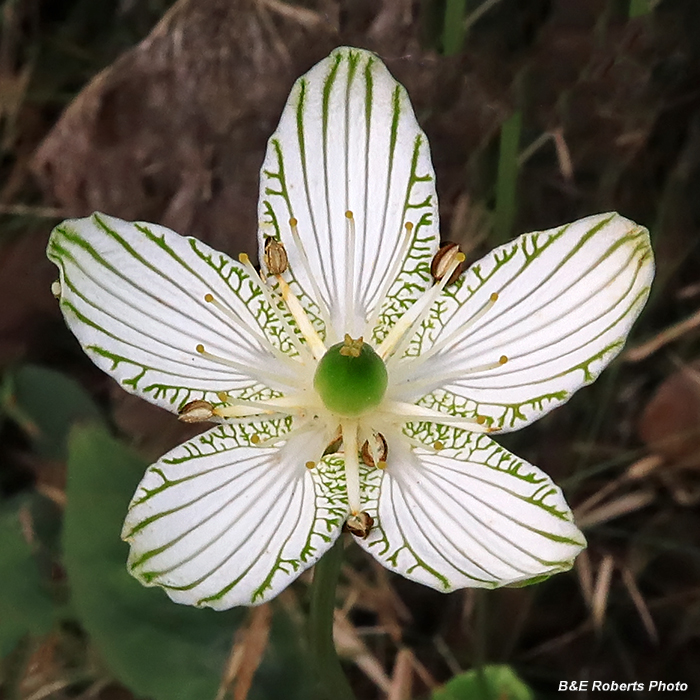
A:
<point x="437" y="445"/>
<point x="481" y="420"/>
<point x="196" y="411"/>
<point x="310" y="464"/>
<point x="275" y="256"/>
<point x="443" y="259"/>
<point x="381" y="449"/>
<point x="351" y="348"/>
<point x="255" y="439"/>
<point x="335" y="444"/>
<point x="359" y="524"/>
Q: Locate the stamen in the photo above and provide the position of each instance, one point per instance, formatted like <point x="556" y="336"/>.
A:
<point x="245" y="261"/>
<point x="350" y="272"/>
<point x="359" y="524"/>
<point x="239" y="320"/>
<point x="275" y="256"/>
<point x="318" y="349"/>
<point x="390" y="277"/>
<point x="197" y="411"/>
<point x="403" y="329"/>
<point x="437" y="446"/>
<point x="246" y="370"/>
<point x="236" y="408"/>
<point x="412" y="413"/>
<point x="325" y="314"/>
<point x="459" y="332"/>
<point x="441" y="262"/>
<point x="310" y="464"/>
<point x="56" y="288"/>
<point x="375" y="450"/>
<point x="352" y="464"/>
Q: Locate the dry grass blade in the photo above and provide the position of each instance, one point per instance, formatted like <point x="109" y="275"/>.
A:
<point x="668" y="335"/>
<point x="584" y="570"/>
<point x="248" y="650"/>
<point x="601" y="592"/>
<point x="402" y="677"/>
<point x="351" y="646"/>
<point x="615" y="509"/>
<point x="639" y="603"/>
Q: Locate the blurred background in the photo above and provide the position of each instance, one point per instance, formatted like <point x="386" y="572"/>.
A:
<point x="538" y="112"/>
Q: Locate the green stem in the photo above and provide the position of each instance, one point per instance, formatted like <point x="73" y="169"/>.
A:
<point x="334" y="684"/>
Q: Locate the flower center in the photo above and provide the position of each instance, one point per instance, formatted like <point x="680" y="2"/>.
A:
<point x="351" y="378"/>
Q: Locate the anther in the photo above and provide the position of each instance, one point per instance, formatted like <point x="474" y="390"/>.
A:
<point x="223" y="396"/>
<point x="196" y="411"/>
<point x="502" y="360"/>
<point x="437" y="446"/>
<point x="348" y="214"/>
<point x="481" y="420"/>
<point x="376" y="453"/>
<point x="310" y="464"/>
<point x="275" y="256"/>
<point x="56" y="288"/>
<point x="293" y="222"/>
<point x="359" y="524"/>
<point x="494" y="296"/>
<point x="408" y="226"/>
<point x="200" y="349"/>
<point x="443" y="261"/>
<point x="255" y="439"/>
<point x="209" y="298"/>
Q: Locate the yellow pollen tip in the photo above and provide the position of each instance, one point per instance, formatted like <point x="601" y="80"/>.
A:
<point x="381" y="464"/>
<point x="348" y="214"/>
<point x="209" y="297"/>
<point x="460" y="257"/>
<point x="243" y="258"/>
<point x="503" y="359"/>
<point x="409" y="226"/>
<point x="222" y="396"/>
<point x="293" y="222"/>
<point x="494" y="297"/>
<point x="255" y="439"/>
<point x="437" y="445"/>
<point x="310" y="465"/>
<point x="481" y="420"/>
<point x="200" y="348"/>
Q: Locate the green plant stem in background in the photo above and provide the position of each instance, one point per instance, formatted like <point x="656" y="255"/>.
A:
<point x="507" y="178"/>
<point x="453" y="29"/>
<point x="333" y="682"/>
<point x="639" y="8"/>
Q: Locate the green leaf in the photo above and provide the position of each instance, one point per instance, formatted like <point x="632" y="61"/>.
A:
<point x="156" y="648"/>
<point x="487" y="683"/>
<point x="46" y="404"/>
<point x="25" y="607"/>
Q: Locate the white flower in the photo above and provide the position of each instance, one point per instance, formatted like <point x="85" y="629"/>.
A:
<point x="418" y="374"/>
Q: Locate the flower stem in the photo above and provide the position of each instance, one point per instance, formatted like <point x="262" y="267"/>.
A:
<point x="334" y="685"/>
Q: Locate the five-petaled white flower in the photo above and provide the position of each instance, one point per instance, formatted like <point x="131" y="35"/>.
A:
<point x="351" y="386"/>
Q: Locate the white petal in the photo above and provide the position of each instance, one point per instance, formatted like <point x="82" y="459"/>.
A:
<point x="348" y="141"/>
<point x="218" y="522"/>
<point x="471" y="517"/>
<point x="567" y="299"/>
<point x="134" y="295"/>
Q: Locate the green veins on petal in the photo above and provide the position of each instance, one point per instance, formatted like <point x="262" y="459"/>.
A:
<point x="351" y="378"/>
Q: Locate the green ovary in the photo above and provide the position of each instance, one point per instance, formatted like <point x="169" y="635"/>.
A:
<point x="351" y="382"/>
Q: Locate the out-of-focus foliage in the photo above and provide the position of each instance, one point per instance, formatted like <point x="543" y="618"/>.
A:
<point x="25" y="605"/>
<point x="487" y="683"/>
<point x="156" y="648"/>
